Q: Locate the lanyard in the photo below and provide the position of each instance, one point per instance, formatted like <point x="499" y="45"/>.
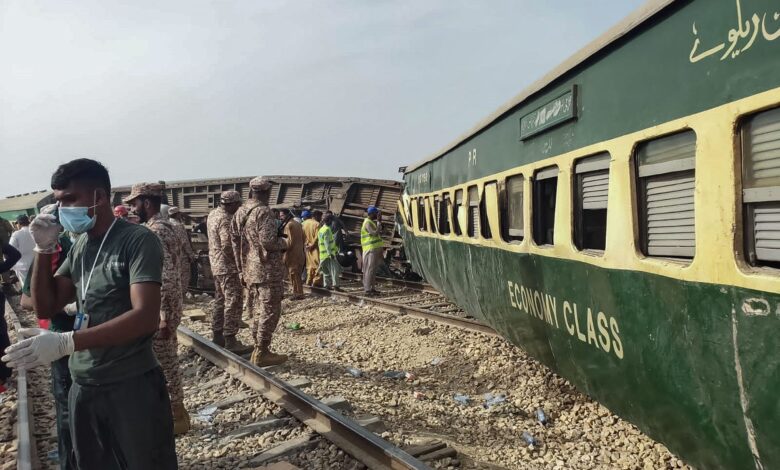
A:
<point x="85" y="286"/>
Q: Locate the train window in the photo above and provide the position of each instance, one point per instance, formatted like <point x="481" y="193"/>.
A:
<point x="436" y="212"/>
<point x="484" y="223"/>
<point x="761" y="188"/>
<point x="590" y="202"/>
<point x="473" y="215"/>
<point x="431" y="217"/>
<point x="513" y="224"/>
<point x="422" y="223"/>
<point x="666" y="187"/>
<point x="545" y="192"/>
<point x="444" y="215"/>
<point x="456" y="211"/>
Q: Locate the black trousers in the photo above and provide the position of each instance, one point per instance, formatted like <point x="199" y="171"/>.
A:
<point x="124" y="426"/>
<point x="5" y="371"/>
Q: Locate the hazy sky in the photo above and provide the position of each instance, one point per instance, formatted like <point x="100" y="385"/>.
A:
<point x="180" y="89"/>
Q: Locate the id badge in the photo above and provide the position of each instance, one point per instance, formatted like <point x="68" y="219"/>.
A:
<point x="81" y="322"/>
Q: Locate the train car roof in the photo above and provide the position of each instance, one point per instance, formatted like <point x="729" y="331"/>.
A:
<point x="273" y="178"/>
<point x="612" y="35"/>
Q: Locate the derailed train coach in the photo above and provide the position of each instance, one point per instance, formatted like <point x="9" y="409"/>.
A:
<point x="348" y="198"/>
<point x="620" y="220"/>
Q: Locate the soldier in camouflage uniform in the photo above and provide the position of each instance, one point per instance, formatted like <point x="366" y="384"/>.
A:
<point x="146" y="199"/>
<point x="184" y="240"/>
<point x="241" y="248"/>
<point x="228" y="302"/>
<point x="263" y="270"/>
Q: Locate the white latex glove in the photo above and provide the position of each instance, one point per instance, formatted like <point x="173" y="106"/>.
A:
<point x="71" y="309"/>
<point x="40" y="347"/>
<point x="45" y="230"/>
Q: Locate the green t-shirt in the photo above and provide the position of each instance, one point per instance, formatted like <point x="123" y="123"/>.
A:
<point x="131" y="254"/>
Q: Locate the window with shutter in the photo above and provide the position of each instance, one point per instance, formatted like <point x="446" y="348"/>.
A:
<point x="473" y="214"/>
<point x="444" y="215"/>
<point x="665" y="167"/>
<point x="761" y="188"/>
<point x="545" y="193"/>
<point x="432" y="216"/>
<point x="590" y="218"/>
<point x="409" y="204"/>
<point x="513" y="223"/>
<point x="456" y="211"/>
<point x="421" y="222"/>
<point x="484" y="222"/>
<point x="436" y="214"/>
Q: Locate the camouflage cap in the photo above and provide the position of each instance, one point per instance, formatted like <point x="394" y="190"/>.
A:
<point x="260" y="184"/>
<point x="144" y="189"/>
<point x="173" y="210"/>
<point x="228" y="197"/>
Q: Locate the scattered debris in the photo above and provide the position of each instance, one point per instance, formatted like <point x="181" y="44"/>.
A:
<point x="541" y="417"/>
<point x="492" y="400"/>
<point x="529" y="439"/>
<point x="293" y="326"/>
<point x="462" y="399"/>
<point x="206" y="414"/>
<point x="393" y="374"/>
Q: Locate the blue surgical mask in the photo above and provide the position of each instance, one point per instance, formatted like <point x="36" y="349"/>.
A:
<point x="76" y="219"/>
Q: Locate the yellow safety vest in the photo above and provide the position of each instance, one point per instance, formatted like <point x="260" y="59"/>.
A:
<point x="327" y="243"/>
<point x="367" y="241"/>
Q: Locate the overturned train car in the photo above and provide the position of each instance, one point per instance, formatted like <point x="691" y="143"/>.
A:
<point x="348" y="198"/>
<point x="620" y="220"/>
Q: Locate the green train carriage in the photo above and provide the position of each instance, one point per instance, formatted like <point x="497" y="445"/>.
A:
<point x="620" y="220"/>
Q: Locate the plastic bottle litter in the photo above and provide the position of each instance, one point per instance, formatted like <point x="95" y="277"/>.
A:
<point x="540" y="416"/>
<point x="491" y="400"/>
<point x="436" y="361"/>
<point x="293" y="326"/>
<point x="529" y="439"/>
<point x="354" y="371"/>
<point x="394" y="374"/>
<point x="462" y="399"/>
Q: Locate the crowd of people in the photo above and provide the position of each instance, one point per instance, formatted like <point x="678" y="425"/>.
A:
<point x="108" y="285"/>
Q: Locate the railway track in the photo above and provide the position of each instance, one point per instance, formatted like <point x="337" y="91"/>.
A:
<point x="26" y="455"/>
<point x="347" y="435"/>
<point x="398" y="296"/>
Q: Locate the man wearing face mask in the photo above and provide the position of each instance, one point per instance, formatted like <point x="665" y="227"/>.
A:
<point x="119" y="406"/>
<point x="146" y="199"/>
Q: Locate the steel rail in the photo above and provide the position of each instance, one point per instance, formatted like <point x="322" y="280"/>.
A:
<point x="394" y="307"/>
<point x="421" y="286"/>
<point x="365" y="446"/>
<point x="24" y="421"/>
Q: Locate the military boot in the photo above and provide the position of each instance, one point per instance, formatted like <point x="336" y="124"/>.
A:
<point x="181" y="419"/>
<point x="235" y="346"/>
<point x="217" y="338"/>
<point x="267" y="358"/>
